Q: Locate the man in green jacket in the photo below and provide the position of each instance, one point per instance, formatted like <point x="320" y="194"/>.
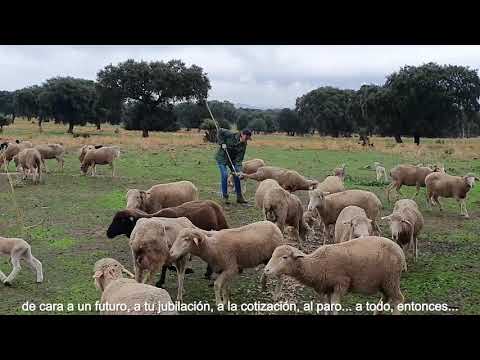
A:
<point x="236" y="144"/>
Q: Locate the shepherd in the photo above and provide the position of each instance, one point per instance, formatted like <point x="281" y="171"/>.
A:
<point x="230" y="154"/>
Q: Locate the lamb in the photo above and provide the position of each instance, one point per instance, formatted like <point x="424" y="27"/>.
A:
<point x="283" y="208"/>
<point x="230" y="251"/>
<point x="51" y="151"/>
<point x="331" y="184"/>
<point x="288" y="179"/>
<point x="380" y="171"/>
<point x="248" y="167"/>
<point x="367" y="265"/>
<point x="150" y="242"/>
<point x="448" y="186"/>
<point x="102" y="156"/>
<point x="30" y="162"/>
<point x="406" y="222"/>
<point x="409" y="175"/>
<point x="122" y="296"/>
<point x="352" y="223"/>
<point x="329" y="206"/>
<point x="12" y="150"/>
<point x="340" y="172"/>
<point x="162" y="196"/>
<point x="19" y="249"/>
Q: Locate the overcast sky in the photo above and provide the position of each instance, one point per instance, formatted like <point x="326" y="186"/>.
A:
<point x="260" y="75"/>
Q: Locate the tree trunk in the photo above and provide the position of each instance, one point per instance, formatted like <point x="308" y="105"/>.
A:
<point x="1" y="128"/>
<point x="398" y="139"/>
<point x="98" y="126"/>
<point x="145" y="133"/>
<point x="40" y="125"/>
<point x="70" y="128"/>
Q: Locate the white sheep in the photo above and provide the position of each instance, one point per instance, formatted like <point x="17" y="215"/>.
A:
<point x="51" y="151"/>
<point x="406" y="221"/>
<point x="331" y="184"/>
<point x="367" y="265"/>
<point x="122" y="296"/>
<point x="162" y="196"/>
<point x="380" y="171"/>
<point x="329" y="206"/>
<point x="229" y="251"/>
<point x="449" y="186"/>
<point x="30" y="161"/>
<point x="352" y="223"/>
<point x="150" y="242"/>
<point x="19" y="249"/>
<point x="248" y="167"/>
<point x="11" y="151"/>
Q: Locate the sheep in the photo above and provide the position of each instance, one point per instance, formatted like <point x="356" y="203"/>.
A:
<point x="288" y="179"/>
<point x="162" y="196"/>
<point x="352" y="223"/>
<point x="19" y="249"/>
<point x="448" y="186"/>
<point x="51" y="151"/>
<point x="248" y="167"/>
<point x="406" y="222"/>
<point x="283" y="208"/>
<point x="122" y="296"/>
<point x="409" y="175"/>
<point x="367" y="265"/>
<point x="380" y="171"/>
<point x="262" y="189"/>
<point x="329" y="206"/>
<point x="204" y="214"/>
<point x="340" y="171"/>
<point x="230" y="251"/>
<point x="12" y="150"/>
<point x="331" y="184"/>
<point x="30" y="161"/>
<point x="150" y="241"/>
<point x="102" y="156"/>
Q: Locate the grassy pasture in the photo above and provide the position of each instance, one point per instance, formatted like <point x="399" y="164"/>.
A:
<point x="65" y="217"/>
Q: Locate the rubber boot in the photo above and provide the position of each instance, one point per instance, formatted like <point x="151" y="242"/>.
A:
<point x="225" y="200"/>
<point x="241" y="200"/>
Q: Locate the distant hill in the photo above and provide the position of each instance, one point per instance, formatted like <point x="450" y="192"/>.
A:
<point x="246" y="106"/>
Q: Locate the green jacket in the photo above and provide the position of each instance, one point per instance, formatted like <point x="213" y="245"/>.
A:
<point x="236" y="148"/>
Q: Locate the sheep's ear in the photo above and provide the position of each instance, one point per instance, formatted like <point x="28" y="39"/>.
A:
<point x="127" y="272"/>
<point x="98" y="274"/>
<point x="197" y="240"/>
<point x="369" y="220"/>
<point x="325" y="193"/>
<point x="298" y="255"/>
<point x="386" y="217"/>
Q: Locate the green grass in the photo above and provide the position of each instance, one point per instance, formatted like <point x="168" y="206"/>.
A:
<point x="75" y="212"/>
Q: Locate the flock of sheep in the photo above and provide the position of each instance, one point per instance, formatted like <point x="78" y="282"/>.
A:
<point x="167" y="225"/>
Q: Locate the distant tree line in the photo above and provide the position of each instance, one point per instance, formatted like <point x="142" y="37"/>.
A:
<point x="420" y="101"/>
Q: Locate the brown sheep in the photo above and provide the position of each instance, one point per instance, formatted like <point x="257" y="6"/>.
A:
<point x="230" y="251"/>
<point x="288" y="179"/>
<point x="409" y="175"/>
<point x="366" y="266"/>
<point x="30" y="161"/>
<point x="51" y="151"/>
<point x="162" y="196"/>
<point x="12" y="150"/>
<point x="248" y="167"/>
<point x="102" y="156"/>
<point x="449" y="186"/>
<point x="283" y="208"/>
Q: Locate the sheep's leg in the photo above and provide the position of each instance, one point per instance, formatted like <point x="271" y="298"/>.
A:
<point x="112" y="165"/>
<point x="389" y="189"/>
<point x="463" y="203"/>
<point x="161" y="282"/>
<point x="35" y="265"/>
<point x="223" y="278"/>
<point x="416" y="250"/>
<point x="180" y="264"/>
<point x="322" y="298"/>
<point x="382" y="300"/>
<point x="16" y="269"/>
<point x="437" y="200"/>
<point x="335" y="297"/>
<point x="2" y="276"/>
<point x="278" y="289"/>
<point x="417" y="186"/>
<point x="60" y="162"/>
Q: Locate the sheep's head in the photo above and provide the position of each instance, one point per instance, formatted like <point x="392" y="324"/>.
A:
<point x="122" y="224"/>
<point x="359" y="226"/>
<point x="312" y="184"/>
<point x="398" y="225"/>
<point x="136" y="199"/>
<point x="188" y="240"/>
<point x="317" y="199"/>
<point x="310" y="217"/>
<point x="108" y="269"/>
<point x="230" y="184"/>
<point x="283" y="261"/>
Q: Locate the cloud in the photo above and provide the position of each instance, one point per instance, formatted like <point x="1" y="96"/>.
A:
<point x="265" y="76"/>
